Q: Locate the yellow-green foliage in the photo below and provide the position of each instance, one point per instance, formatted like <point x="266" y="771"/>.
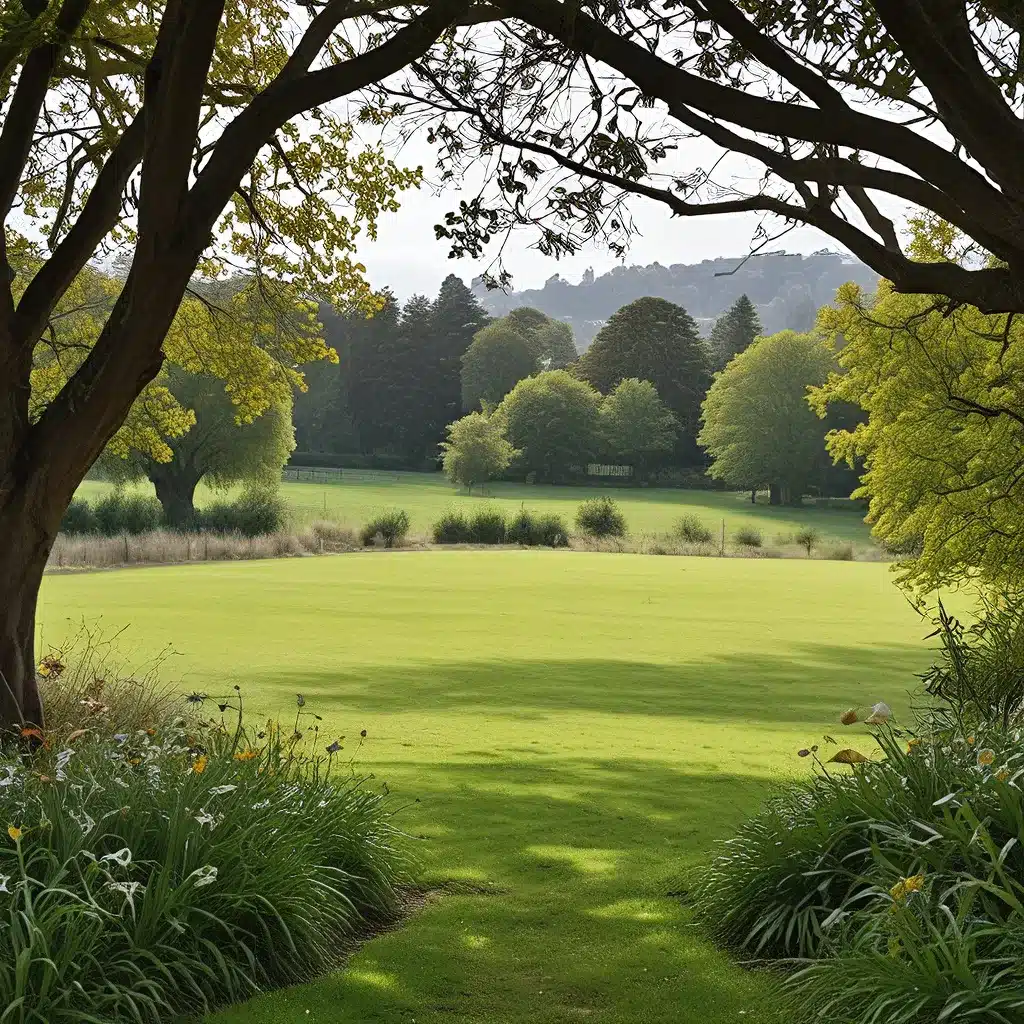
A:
<point x="944" y="442"/>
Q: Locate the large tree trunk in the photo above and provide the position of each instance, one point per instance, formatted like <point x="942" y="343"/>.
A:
<point x="778" y="494"/>
<point x="175" y="490"/>
<point x="27" y="536"/>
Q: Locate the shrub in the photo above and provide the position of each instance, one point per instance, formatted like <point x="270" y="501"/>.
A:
<point x="79" y="518"/>
<point x="841" y="553"/>
<point x="600" y="517"/>
<point x="807" y="538"/>
<point x="748" y="537"/>
<point x="127" y="513"/>
<point x="521" y="529"/>
<point x="175" y="873"/>
<point x="451" y="528"/>
<point x="549" y="531"/>
<point x="691" y="529"/>
<point x="390" y="527"/>
<point x="254" y="514"/>
<point x="488" y="526"/>
<point x="980" y="676"/>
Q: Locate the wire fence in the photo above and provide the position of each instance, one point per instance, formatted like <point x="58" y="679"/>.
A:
<point x="299" y="474"/>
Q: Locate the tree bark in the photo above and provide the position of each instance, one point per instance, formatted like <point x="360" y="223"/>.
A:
<point x="777" y="494"/>
<point x="28" y="535"/>
<point x="175" y="490"/>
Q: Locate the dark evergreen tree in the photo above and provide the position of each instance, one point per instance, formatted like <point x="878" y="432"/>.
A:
<point x="408" y="400"/>
<point x="374" y="349"/>
<point x="734" y="332"/>
<point x="655" y="340"/>
<point x="455" y="317"/>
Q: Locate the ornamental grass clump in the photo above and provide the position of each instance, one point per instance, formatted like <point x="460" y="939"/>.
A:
<point x="159" y="872"/>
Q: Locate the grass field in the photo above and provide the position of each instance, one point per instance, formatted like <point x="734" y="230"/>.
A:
<point x="567" y="734"/>
<point x="359" y="495"/>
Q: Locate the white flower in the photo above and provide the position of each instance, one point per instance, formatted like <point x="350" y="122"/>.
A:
<point x="205" y="818"/>
<point x="84" y="821"/>
<point x="206" y="875"/>
<point x="221" y="790"/>
<point x="62" y="762"/>
<point x="122" y="858"/>
<point x="880" y="714"/>
<point x="127" y="889"/>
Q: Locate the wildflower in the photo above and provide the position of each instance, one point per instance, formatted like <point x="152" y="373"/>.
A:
<point x="986" y="756"/>
<point x="912" y="743"/>
<point x="848" y="717"/>
<point x="1002" y="775"/>
<point x="205" y="818"/>
<point x="15" y="833"/>
<point x="970" y="741"/>
<point x="151" y="732"/>
<point x="205" y="875"/>
<point x="334" y="747"/>
<point x="880" y="714"/>
<point x="300" y="700"/>
<point x="122" y="858"/>
<point x="221" y="790"/>
<point x="51" y="667"/>
<point x="30" y="732"/>
<point x="363" y="733"/>
<point x="905" y="886"/>
<point x="246" y="755"/>
<point x="200" y="763"/>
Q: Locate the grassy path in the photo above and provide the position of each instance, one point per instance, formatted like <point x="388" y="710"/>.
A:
<point x="577" y="729"/>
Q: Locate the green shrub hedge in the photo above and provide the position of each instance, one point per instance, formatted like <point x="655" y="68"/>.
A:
<point x="254" y="514"/>
<point x="488" y="526"/>
<point x="388" y="527"/>
<point x="451" y="528"/>
<point x="600" y="517"/>
<point x="119" y="513"/>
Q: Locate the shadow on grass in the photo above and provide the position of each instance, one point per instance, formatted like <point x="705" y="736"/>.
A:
<point x="798" y="688"/>
<point x="554" y="903"/>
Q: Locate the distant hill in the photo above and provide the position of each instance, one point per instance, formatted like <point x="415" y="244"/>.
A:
<point x="787" y="289"/>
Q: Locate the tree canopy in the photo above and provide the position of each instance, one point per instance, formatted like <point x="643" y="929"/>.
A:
<point x="217" y="448"/>
<point x="476" y="450"/>
<point x="636" y="425"/>
<point x="734" y="332"/>
<point x="944" y="436"/>
<point x="758" y="424"/>
<point x="552" y="419"/>
<point x="657" y="341"/>
<point x="496" y="360"/>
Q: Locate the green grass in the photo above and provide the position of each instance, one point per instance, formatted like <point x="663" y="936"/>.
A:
<point x="425" y="496"/>
<point x="576" y="728"/>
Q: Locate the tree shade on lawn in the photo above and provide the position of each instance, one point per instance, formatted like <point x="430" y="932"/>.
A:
<point x="585" y="729"/>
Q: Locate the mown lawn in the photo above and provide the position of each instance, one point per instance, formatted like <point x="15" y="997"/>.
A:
<point x="566" y="734"/>
<point x="359" y="495"/>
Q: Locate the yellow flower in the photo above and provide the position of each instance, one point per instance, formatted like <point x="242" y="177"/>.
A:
<point x="44" y="669"/>
<point x="912" y="743"/>
<point x="970" y="741"/>
<point x="246" y="755"/>
<point x="1002" y="775"/>
<point x="199" y="765"/>
<point x="905" y="886"/>
<point x="986" y="756"/>
<point x="14" y="832"/>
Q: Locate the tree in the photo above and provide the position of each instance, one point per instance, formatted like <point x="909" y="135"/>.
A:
<point x="657" y="341"/>
<point x="552" y="419"/>
<point x="734" y="332"/>
<point x="477" y="450"/>
<point x="217" y="448"/>
<point x="555" y="344"/>
<point x="498" y="358"/>
<point x="943" y="438"/>
<point x="168" y="127"/>
<point x="455" y="317"/>
<point x="758" y="425"/>
<point x="409" y="403"/>
<point x="374" y="348"/>
<point x="788" y="87"/>
<point x="636" y="425"/>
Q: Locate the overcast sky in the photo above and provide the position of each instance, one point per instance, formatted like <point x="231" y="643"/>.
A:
<point x="408" y="259"/>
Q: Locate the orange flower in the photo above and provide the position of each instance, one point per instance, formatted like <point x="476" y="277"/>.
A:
<point x="986" y="757"/>
<point x="246" y="755"/>
<point x="15" y="833"/>
<point x="1002" y="775"/>
<point x="199" y="764"/>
